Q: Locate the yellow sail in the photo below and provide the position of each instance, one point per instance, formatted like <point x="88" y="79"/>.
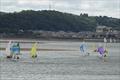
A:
<point x="34" y="50"/>
<point x="106" y="50"/>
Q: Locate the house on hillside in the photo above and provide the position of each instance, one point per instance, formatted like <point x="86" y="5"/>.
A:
<point x="102" y="29"/>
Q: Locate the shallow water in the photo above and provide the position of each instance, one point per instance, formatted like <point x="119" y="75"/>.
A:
<point x="61" y="65"/>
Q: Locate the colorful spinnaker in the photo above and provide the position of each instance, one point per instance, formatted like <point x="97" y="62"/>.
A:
<point x="15" y="50"/>
<point x="102" y="50"/>
<point x="83" y="47"/>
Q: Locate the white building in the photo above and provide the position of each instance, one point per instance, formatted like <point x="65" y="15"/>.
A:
<point x="101" y="29"/>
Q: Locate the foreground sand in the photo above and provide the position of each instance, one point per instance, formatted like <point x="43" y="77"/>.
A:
<point x="61" y="65"/>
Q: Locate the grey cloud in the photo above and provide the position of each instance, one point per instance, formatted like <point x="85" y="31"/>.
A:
<point x="92" y="7"/>
<point x="8" y="3"/>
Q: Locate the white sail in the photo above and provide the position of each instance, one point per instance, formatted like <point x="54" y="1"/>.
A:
<point x="105" y="40"/>
<point x="110" y="40"/>
<point x="8" y="48"/>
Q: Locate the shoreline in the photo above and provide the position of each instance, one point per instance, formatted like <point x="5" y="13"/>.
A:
<point x="30" y="40"/>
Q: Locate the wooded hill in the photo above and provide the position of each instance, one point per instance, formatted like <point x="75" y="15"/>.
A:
<point x="53" y="21"/>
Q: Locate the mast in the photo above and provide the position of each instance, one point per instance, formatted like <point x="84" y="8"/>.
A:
<point x="50" y="4"/>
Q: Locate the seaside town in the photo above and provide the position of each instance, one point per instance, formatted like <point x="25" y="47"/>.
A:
<point x="100" y="33"/>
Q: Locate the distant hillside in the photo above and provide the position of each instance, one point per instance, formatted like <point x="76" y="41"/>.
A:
<point x="53" y="21"/>
<point x="2" y="13"/>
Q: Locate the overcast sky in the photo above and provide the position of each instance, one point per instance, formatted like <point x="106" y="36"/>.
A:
<point x="109" y="8"/>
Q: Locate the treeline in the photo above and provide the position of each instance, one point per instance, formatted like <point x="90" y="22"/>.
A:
<point x="53" y="21"/>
